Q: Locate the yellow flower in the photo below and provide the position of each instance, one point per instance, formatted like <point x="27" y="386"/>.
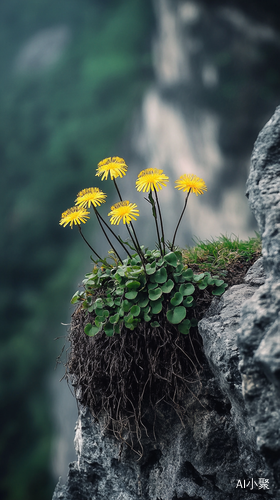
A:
<point x="192" y="183"/>
<point x="125" y="211"/>
<point x="115" y="165"/>
<point x="90" y="195"/>
<point x="74" y="215"/>
<point x="151" y="178"/>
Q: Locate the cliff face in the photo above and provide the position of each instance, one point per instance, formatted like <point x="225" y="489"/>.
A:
<point x="229" y="446"/>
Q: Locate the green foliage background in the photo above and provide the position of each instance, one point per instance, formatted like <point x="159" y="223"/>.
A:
<point x="55" y="125"/>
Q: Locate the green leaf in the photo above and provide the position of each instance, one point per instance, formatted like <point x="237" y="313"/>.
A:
<point x="132" y="284"/>
<point x="109" y="329"/>
<point x="114" y="319"/>
<point x="155" y="294"/>
<point x="143" y="302"/>
<point x="179" y="269"/>
<point x="99" y="303"/>
<point x="131" y="295"/>
<point x="75" y="298"/>
<point x="135" y="310"/>
<point x="188" y="302"/>
<point x="176" y="299"/>
<point x="117" y="328"/>
<point x="155" y="324"/>
<point x="119" y="291"/>
<point x="176" y="315"/>
<point x="126" y="305"/>
<point x="161" y="275"/>
<point x="194" y="322"/>
<point x="167" y="287"/>
<point x="91" y="330"/>
<point x="171" y="259"/>
<point x="219" y="282"/>
<point x="198" y="277"/>
<point x="220" y="290"/>
<point x="185" y="326"/>
<point x="146" y="309"/>
<point x="186" y="289"/>
<point x="147" y="318"/>
<point x="187" y="275"/>
<point x="151" y="268"/>
<point x="156" y="306"/>
<point x="179" y="255"/>
<point x="152" y="286"/>
<point x="202" y="286"/>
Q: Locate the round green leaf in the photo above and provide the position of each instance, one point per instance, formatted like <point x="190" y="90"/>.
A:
<point x="126" y="305"/>
<point x="152" y="286"/>
<point x="220" y="290"/>
<point x="98" y="304"/>
<point x="188" y="302"/>
<point x="156" y="306"/>
<point x="176" y="299"/>
<point x="176" y="315"/>
<point x="109" y="329"/>
<point x="131" y="295"/>
<point x="186" y="289"/>
<point x="219" y="282"/>
<point x="151" y="268"/>
<point x="135" y="310"/>
<point x="155" y="324"/>
<point x="143" y="302"/>
<point x="198" y="277"/>
<point x="161" y="275"/>
<point x="194" y="322"/>
<point x="155" y="294"/>
<point x="171" y="259"/>
<point x="132" y="284"/>
<point x="202" y="285"/>
<point x="184" y="327"/>
<point x="91" y="330"/>
<point x="114" y="319"/>
<point x="147" y="318"/>
<point x="167" y="287"/>
<point x="187" y="275"/>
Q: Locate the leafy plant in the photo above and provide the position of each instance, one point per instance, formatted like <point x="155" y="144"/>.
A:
<point x="149" y="285"/>
<point x="127" y="295"/>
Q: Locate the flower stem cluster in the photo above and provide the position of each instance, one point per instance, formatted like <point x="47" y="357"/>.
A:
<point x="148" y="282"/>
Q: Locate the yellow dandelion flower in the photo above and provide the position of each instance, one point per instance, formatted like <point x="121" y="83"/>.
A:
<point x="151" y="178"/>
<point x="192" y="183"/>
<point x="114" y="165"/>
<point x="90" y="195"/>
<point x="74" y="215"/>
<point x="125" y="211"/>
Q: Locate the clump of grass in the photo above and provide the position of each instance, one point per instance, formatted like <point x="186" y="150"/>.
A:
<point x="219" y="255"/>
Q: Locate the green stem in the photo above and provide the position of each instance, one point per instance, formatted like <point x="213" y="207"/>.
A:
<point x="161" y="223"/>
<point x="108" y="227"/>
<point x="80" y="231"/>
<point x="136" y="244"/>
<point x="116" y="186"/>
<point x="185" y="205"/>
<point x="106" y="236"/>
<point x="155" y="217"/>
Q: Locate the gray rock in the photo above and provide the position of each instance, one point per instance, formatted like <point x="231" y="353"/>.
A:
<point x="259" y="334"/>
<point x="230" y="440"/>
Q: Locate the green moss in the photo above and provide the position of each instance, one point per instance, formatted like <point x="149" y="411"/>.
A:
<point x="222" y="253"/>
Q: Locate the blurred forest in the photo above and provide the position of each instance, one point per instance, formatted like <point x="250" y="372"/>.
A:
<point x="57" y="121"/>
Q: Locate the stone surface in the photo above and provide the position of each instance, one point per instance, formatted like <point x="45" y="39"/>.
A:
<point x="203" y="460"/>
<point x="259" y="334"/>
<point x="231" y="431"/>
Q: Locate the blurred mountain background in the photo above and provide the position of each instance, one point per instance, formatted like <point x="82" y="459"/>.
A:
<point x="180" y="85"/>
